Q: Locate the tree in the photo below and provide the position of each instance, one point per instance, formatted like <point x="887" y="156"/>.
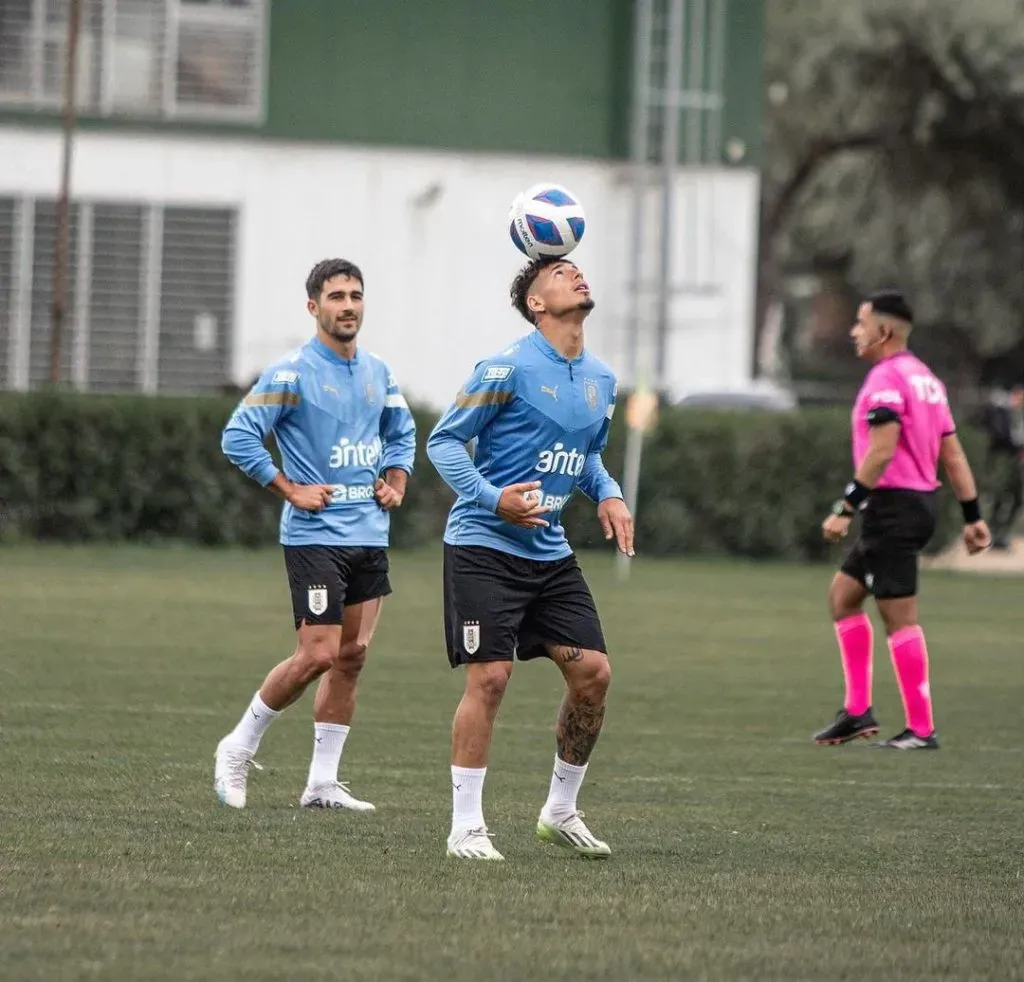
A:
<point x="896" y="135"/>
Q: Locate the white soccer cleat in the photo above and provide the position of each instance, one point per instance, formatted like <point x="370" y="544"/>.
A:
<point x="571" y="833"/>
<point x="231" y="771"/>
<point x="473" y="844"/>
<point x="334" y="795"/>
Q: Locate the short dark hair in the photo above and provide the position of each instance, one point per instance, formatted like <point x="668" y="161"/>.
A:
<point x="524" y="280"/>
<point x="327" y="268"/>
<point x="891" y="303"/>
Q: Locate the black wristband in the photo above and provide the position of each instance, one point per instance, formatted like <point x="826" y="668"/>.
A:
<point x="856" y="494"/>
<point x="971" y="510"/>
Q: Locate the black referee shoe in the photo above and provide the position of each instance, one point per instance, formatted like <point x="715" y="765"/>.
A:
<point x="847" y="727"/>
<point x="909" y="740"/>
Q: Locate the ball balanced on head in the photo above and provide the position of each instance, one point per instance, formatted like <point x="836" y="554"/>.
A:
<point x="546" y="220"/>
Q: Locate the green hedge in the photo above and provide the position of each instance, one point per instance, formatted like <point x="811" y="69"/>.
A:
<point x="90" y="468"/>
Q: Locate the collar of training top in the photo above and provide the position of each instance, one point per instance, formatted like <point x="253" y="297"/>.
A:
<point x="551" y="352"/>
<point x="331" y="355"/>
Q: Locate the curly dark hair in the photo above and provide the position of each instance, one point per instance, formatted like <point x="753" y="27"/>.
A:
<point x="327" y="268"/>
<point x="520" y="289"/>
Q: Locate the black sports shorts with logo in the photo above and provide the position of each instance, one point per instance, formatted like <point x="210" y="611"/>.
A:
<point x="498" y="606"/>
<point x="326" y="579"/>
<point x="895" y="527"/>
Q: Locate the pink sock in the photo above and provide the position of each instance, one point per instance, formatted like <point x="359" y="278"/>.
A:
<point x="855" y="645"/>
<point x="910" y="660"/>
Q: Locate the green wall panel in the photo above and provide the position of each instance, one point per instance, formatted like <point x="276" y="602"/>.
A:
<point x="743" y="113"/>
<point x="549" y="76"/>
<point x="530" y="76"/>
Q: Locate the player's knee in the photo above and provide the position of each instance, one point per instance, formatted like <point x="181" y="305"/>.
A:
<point x="592" y="682"/>
<point x="490" y="680"/>
<point x="314" y="658"/>
<point x="602" y="677"/>
<point x="351" y="657"/>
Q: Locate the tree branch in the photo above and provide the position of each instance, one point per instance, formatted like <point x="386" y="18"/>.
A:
<point x="814" y="158"/>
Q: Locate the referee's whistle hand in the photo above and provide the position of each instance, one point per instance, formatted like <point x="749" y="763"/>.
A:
<point x="977" y="538"/>
<point x="835" y="527"/>
<point x="520" y="504"/>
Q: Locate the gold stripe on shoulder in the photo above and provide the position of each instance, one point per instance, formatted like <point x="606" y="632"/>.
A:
<point x="477" y="399"/>
<point x="272" y="399"/>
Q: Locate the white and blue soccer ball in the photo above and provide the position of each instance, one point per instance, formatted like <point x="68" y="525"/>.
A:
<point x="546" y="220"/>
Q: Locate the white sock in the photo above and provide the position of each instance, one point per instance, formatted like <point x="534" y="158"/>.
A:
<point x="328" y="742"/>
<point x="467" y="798"/>
<point x="253" y="724"/>
<point x="565" y="786"/>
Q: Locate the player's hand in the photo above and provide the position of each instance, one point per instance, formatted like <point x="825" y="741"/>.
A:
<point x="835" y="527"/>
<point x="310" y="497"/>
<point x="616" y="521"/>
<point x="518" y="507"/>
<point x="387" y="496"/>
<point x="977" y="537"/>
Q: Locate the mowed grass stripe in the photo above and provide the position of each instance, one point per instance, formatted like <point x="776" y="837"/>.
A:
<point x="742" y="851"/>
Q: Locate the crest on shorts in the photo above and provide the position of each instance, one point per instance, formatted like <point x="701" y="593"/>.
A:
<point x="590" y="391"/>
<point x="371" y="393"/>
<point x="471" y="636"/>
<point x="317" y="600"/>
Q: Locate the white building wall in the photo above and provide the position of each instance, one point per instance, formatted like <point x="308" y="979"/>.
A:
<point x="429" y="230"/>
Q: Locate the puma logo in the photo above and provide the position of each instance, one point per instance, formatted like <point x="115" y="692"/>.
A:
<point x="457" y="787"/>
<point x="553" y="392"/>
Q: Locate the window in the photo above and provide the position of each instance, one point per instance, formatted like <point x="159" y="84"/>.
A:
<point x="172" y="59"/>
<point x="149" y="296"/>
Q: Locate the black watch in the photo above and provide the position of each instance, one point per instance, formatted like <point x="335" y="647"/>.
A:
<point x="843" y="509"/>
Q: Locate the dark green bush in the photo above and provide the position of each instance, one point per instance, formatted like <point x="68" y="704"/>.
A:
<point x="76" y="467"/>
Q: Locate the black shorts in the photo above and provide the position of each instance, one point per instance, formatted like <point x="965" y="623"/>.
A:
<point x="497" y="606"/>
<point x="326" y="579"/>
<point x="895" y="528"/>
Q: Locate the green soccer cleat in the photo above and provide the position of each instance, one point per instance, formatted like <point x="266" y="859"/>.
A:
<point x="571" y="833"/>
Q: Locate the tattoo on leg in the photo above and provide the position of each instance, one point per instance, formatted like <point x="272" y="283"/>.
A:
<point x="568" y="653"/>
<point x="576" y="732"/>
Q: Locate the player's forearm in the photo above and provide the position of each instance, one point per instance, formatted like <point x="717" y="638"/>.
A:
<point x="396" y="478"/>
<point x="281" y="486"/>
<point x="246" y="451"/>
<point x="399" y="437"/>
<point x="448" y="455"/>
<point x="595" y="481"/>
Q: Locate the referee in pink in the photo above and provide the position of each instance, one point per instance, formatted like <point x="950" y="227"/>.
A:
<point x="902" y="430"/>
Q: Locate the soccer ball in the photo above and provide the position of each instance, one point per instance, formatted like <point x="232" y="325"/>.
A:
<point x="546" y="220"/>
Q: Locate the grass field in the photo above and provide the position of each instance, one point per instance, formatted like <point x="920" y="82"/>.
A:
<point x="742" y="851"/>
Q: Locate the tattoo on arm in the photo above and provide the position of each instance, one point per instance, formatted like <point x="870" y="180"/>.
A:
<point x="576" y="732"/>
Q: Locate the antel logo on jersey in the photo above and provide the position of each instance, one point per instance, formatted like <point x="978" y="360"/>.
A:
<point x="347" y="454"/>
<point x="558" y="460"/>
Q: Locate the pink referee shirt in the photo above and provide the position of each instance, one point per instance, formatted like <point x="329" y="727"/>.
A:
<point x="906" y="385"/>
